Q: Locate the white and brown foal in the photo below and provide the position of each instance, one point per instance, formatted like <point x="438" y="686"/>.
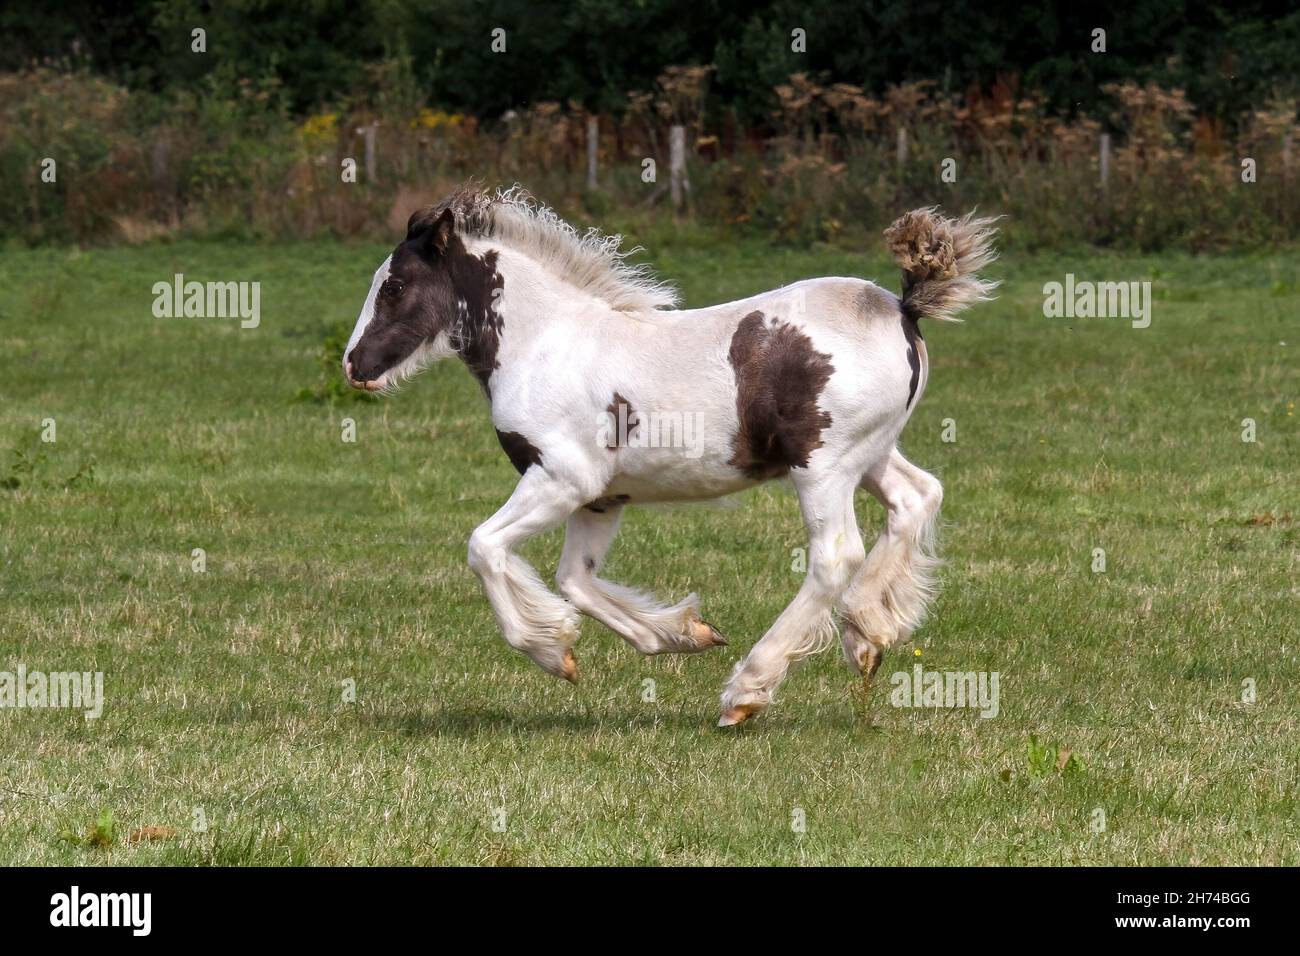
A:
<point x="603" y="395"/>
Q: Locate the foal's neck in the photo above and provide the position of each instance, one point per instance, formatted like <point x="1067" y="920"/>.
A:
<point x="529" y="301"/>
<point x="532" y="293"/>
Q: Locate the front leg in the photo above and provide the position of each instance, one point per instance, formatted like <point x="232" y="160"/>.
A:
<point x="533" y="620"/>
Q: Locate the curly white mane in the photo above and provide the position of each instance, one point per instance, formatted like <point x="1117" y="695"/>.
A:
<point x="591" y="261"/>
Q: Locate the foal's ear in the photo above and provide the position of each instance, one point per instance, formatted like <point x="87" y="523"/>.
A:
<point x="432" y="234"/>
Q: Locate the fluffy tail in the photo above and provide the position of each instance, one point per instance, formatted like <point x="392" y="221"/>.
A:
<point x="939" y="258"/>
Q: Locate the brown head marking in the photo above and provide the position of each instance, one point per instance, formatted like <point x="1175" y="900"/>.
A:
<point x="434" y="285"/>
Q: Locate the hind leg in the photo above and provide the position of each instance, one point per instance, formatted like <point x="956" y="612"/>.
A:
<point x="887" y="600"/>
<point x="805" y="626"/>
<point x="637" y="617"/>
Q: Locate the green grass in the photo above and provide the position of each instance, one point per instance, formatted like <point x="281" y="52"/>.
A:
<point x="329" y="561"/>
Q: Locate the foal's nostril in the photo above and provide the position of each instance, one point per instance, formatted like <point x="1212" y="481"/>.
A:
<point x="351" y="370"/>
<point x="353" y="375"/>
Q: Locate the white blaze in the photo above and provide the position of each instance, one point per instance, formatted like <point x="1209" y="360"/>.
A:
<point x="367" y="310"/>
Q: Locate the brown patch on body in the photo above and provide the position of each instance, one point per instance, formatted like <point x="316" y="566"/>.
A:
<point x="521" y="452"/>
<point x="603" y="504"/>
<point x="779" y="377"/>
<point x="626" y="421"/>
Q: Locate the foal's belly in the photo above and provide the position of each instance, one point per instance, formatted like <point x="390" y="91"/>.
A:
<point x="660" y="475"/>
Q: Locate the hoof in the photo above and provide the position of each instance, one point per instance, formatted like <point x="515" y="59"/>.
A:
<point x="869" y="662"/>
<point x="737" y="715"/>
<point x="569" y="667"/>
<point x="868" y="657"/>
<point x="704" y="635"/>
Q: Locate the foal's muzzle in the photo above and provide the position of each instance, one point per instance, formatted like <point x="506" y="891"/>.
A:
<point x="369" y="385"/>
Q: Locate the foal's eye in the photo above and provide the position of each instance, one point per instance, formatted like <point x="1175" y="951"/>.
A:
<point x="391" y="287"/>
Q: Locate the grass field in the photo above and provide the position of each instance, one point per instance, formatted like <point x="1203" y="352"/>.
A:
<point x="330" y="562"/>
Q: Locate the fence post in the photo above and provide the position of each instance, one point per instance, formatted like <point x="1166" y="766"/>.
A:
<point x="1103" y="157"/>
<point x="593" y="143"/>
<point x="679" y="184"/>
<point x="369" y="131"/>
<point x="160" y="172"/>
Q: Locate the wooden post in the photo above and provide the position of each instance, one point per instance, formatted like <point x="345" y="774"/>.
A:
<point x="160" y="162"/>
<point x="1103" y="159"/>
<point x="369" y="131"/>
<point x="901" y="153"/>
<point x="1286" y="175"/>
<point x="160" y="172"/>
<point x="593" y="144"/>
<point x="679" y="184"/>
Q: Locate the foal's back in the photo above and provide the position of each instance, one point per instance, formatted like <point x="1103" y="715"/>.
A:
<point x="756" y="386"/>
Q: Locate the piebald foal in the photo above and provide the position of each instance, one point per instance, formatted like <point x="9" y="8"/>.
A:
<point x="581" y="355"/>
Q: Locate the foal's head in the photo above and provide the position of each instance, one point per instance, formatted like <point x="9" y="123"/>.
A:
<point x="430" y="298"/>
